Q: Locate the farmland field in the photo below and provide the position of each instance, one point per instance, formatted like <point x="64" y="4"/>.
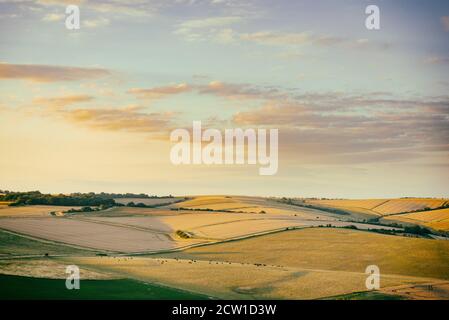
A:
<point x="335" y="249"/>
<point x="436" y="219"/>
<point x="383" y="207"/>
<point x="33" y="211"/>
<point x="89" y="234"/>
<point x="238" y="280"/>
<point x="224" y="247"/>
<point x="19" y="288"/>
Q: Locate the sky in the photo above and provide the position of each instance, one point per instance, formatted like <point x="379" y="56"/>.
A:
<point x="361" y="113"/>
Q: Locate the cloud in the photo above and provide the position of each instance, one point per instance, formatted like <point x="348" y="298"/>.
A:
<point x="236" y="91"/>
<point x="436" y="60"/>
<point x="56" y="102"/>
<point x="276" y="38"/>
<point x="51" y="17"/>
<point x="128" y="119"/>
<point x="160" y="92"/>
<point x="352" y="127"/>
<point x="306" y="38"/>
<point x="95" y="23"/>
<point x="47" y="73"/>
<point x="208" y="22"/>
<point x="217" y="88"/>
<point x="136" y="8"/>
<point x="445" y="22"/>
<point x="208" y="29"/>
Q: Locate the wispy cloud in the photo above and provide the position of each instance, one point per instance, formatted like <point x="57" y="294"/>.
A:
<point x="63" y="101"/>
<point x="47" y="73"/>
<point x="51" y="17"/>
<point x="221" y="89"/>
<point x="445" y="22"/>
<point x="213" y="28"/>
<point x="436" y="60"/>
<point x="129" y="119"/>
<point x="95" y="23"/>
<point x="160" y="92"/>
<point x="391" y="129"/>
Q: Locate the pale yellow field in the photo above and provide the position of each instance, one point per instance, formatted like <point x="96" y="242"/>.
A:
<point x="382" y="207"/>
<point x="408" y="205"/>
<point x="89" y="234"/>
<point x="217" y="203"/>
<point x="188" y="221"/>
<point x="202" y="201"/>
<point x="436" y="219"/>
<point x="129" y="211"/>
<point x="236" y="280"/>
<point x="364" y="204"/>
<point x="243" y="228"/>
<point x="32" y="211"/>
<point x="209" y="226"/>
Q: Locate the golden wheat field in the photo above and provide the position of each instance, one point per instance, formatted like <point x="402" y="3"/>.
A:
<point x="33" y="211"/>
<point x="363" y="204"/>
<point x="407" y="205"/>
<point x="383" y="207"/>
<point x="435" y="219"/>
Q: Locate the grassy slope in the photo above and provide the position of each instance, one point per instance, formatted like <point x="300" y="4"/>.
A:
<point x="336" y="249"/>
<point x="19" y="288"/>
<point x="368" y="295"/>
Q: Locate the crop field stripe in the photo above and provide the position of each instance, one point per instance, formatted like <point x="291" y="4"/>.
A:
<point x="43" y="240"/>
<point x="121" y="225"/>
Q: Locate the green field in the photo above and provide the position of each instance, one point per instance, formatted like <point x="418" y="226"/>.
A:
<point x="367" y="295"/>
<point x="26" y="288"/>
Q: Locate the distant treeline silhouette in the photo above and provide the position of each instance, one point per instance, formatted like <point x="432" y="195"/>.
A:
<point x="73" y="199"/>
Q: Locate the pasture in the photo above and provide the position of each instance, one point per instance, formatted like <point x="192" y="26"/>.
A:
<point x="227" y="280"/>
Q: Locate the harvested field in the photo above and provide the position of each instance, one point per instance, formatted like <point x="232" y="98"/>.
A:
<point x="382" y="207"/>
<point x="89" y="234"/>
<point x="364" y="204"/>
<point x="221" y="226"/>
<point x="128" y="211"/>
<point x="242" y="228"/>
<point x="33" y="211"/>
<point x="408" y="205"/>
<point x="172" y="223"/>
<point x="217" y="203"/>
<point x="435" y="219"/>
